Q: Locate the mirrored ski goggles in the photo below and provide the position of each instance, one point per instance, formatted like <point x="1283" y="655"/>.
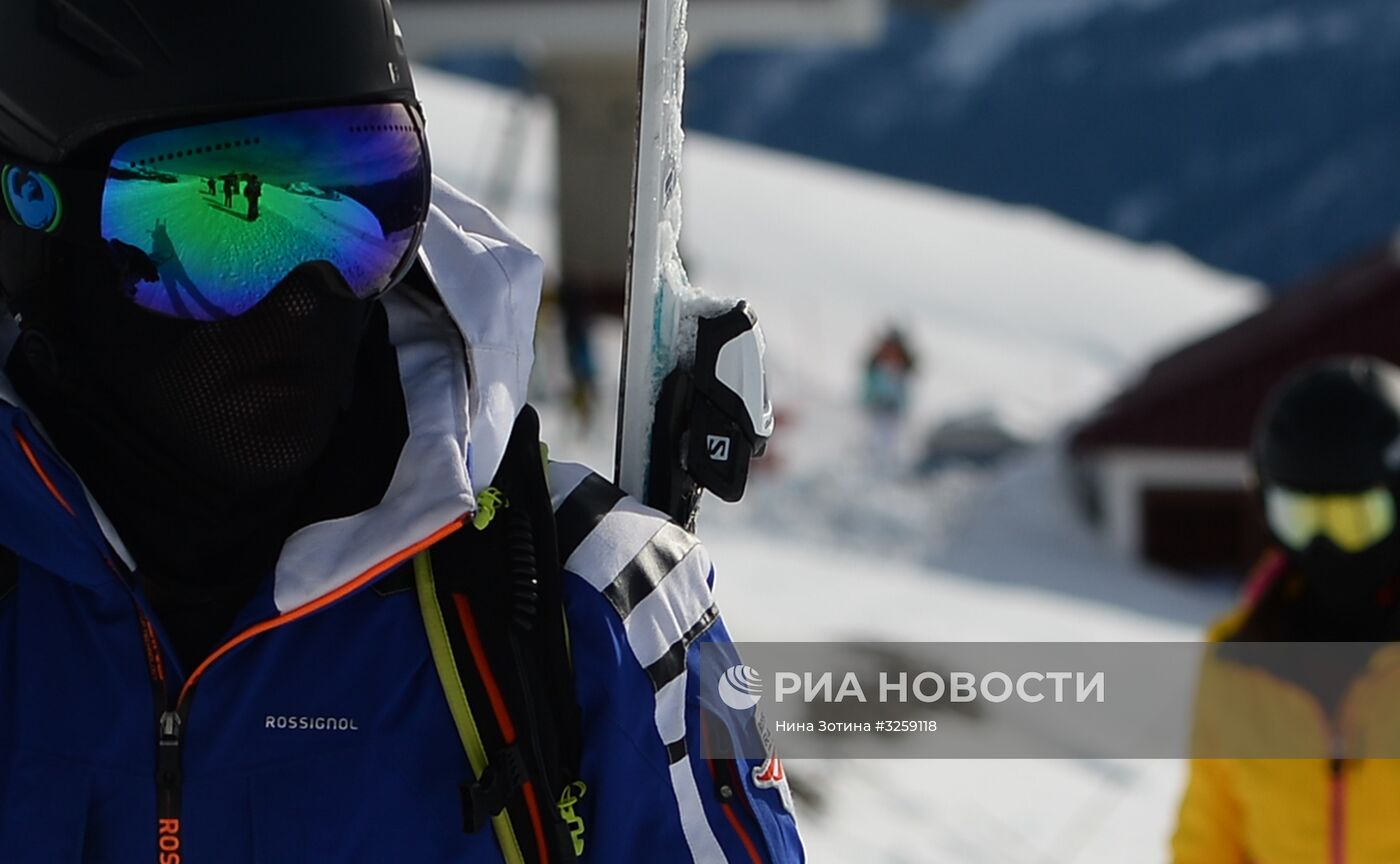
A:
<point x="205" y="221"/>
<point x="1354" y="522"/>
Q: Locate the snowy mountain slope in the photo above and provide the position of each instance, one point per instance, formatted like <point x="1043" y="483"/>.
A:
<point x="986" y="35"/>
<point x="1256" y="134"/>
<point x="1013" y="310"/>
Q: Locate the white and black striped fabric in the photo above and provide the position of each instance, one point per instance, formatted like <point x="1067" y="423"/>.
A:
<point x="656" y="576"/>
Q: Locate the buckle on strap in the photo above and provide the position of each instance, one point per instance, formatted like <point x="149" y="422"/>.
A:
<point x="571" y="827"/>
<point x="505" y="774"/>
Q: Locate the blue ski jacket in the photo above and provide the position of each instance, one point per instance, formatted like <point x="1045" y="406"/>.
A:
<point x="318" y="731"/>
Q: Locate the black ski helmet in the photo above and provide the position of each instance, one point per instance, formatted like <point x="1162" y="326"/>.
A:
<point x="1332" y="427"/>
<point x="71" y="70"/>
<point x="75" y="73"/>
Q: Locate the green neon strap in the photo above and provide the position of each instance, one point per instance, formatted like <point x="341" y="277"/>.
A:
<point x="456" y="694"/>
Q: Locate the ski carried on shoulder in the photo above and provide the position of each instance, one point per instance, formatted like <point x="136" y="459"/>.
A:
<point x="693" y="408"/>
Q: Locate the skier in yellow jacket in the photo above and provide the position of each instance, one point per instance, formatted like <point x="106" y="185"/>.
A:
<point x="1327" y="453"/>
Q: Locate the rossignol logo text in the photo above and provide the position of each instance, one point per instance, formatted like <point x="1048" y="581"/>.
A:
<point x="168" y="836"/>
<point x="311" y="724"/>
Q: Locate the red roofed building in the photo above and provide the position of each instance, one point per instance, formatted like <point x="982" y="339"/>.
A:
<point x="1163" y="467"/>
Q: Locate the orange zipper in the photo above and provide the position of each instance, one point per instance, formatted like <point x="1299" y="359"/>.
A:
<point x="43" y="475"/>
<point x="321" y="602"/>
<point x="171" y="718"/>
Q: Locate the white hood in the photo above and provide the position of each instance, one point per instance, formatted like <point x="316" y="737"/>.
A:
<point x="489" y="286"/>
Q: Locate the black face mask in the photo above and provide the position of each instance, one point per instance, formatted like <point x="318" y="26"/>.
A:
<point x="250" y="403"/>
<point x="208" y="443"/>
<point x="197" y="438"/>
<point x="238" y="406"/>
<point x="1350" y="595"/>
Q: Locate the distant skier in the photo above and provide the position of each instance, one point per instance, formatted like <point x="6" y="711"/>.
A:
<point x="253" y="192"/>
<point x="1327" y="453"/>
<point x="213" y="189"/>
<point x="888" y="372"/>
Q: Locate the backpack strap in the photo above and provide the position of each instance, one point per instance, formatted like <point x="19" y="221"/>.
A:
<point x="492" y="602"/>
<point x="9" y="572"/>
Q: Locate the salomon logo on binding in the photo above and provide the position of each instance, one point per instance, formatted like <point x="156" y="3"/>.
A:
<point x="718" y="445"/>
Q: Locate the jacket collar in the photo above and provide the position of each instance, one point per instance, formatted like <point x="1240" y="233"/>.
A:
<point x="487" y="296"/>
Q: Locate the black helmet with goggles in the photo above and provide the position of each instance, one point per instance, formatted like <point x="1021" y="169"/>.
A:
<point x="209" y="148"/>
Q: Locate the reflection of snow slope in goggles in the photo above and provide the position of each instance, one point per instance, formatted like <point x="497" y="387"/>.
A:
<point x="218" y="215"/>
<point x="1353" y="522"/>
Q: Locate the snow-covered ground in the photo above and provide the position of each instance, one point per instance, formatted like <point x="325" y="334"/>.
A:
<point x="1013" y="312"/>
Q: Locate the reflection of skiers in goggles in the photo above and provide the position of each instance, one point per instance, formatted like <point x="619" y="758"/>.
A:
<point x="375" y="156"/>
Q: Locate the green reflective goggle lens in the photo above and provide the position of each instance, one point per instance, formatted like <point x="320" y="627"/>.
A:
<point x="219" y="214"/>
<point x="1353" y="522"/>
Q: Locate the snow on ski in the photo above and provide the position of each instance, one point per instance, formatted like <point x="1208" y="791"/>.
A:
<point x="652" y="318"/>
<point x="693" y="407"/>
